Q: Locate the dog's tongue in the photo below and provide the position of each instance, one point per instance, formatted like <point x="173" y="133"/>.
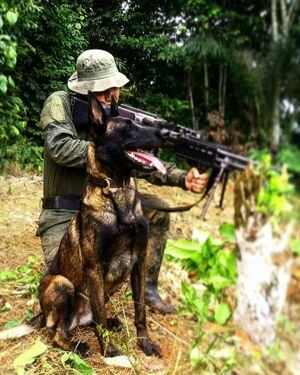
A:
<point x="149" y="158"/>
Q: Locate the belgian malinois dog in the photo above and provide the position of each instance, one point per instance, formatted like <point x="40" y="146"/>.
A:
<point x="106" y="241"/>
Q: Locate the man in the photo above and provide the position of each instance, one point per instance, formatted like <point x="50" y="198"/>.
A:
<point x="66" y="142"/>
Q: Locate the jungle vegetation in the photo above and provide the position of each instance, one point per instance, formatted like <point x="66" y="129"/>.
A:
<point x="197" y="62"/>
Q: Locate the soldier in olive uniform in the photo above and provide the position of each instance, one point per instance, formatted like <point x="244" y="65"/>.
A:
<point x="66" y="142"/>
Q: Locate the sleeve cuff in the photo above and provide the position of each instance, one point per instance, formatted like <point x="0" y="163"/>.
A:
<point x="182" y="180"/>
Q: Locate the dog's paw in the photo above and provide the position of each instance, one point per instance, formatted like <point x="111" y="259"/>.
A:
<point x="82" y="349"/>
<point x="113" y="324"/>
<point x="149" y="347"/>
<point x="111" y="351"/>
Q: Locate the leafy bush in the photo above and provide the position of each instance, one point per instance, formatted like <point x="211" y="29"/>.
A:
<point x="26" y="154"/>
<point x="290" y="155"/>
<point x="27" y="277"/>
<point x="12" y="111"/>
<point x="275" y="189"/>
<point x="212" y="264"/>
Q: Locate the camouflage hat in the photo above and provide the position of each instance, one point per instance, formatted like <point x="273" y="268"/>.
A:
<point x="96" y="71"/>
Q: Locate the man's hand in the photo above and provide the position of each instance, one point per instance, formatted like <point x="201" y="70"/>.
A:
<point x="195" y="181"/>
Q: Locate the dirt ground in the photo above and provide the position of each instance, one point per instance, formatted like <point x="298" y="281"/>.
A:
<point x="19" y="210"/>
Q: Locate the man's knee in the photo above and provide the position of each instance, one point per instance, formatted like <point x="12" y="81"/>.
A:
<point x="50" y="240"/>
<point x="156" y="217"/>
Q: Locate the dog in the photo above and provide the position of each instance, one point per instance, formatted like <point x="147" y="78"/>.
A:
<point x="106" y="241"/>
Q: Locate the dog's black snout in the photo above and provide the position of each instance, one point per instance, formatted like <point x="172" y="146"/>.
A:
<point x="158" y="133"/>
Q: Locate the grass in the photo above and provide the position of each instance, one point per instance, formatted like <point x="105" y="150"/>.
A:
<point x="224" y="349"/>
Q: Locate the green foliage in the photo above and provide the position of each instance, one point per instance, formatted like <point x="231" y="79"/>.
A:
<point x="12" y="323"/>
<point x="194" y="303"/>
<point x="156" y="44"/>
<point x="218" y="356"/>
<point x="29" y="356"/>
<point x="272" y="197"/>
<point x="290" y="155"/>
<point x="49" y="45"/>
<point x="39" y="44"/>
<point x="11" y="106"/>
<point x="73" y="361"/>
<point x="276" y="190"/>
<point x="27" y="277"/>
<point x="295" y="246"/>
<point x="222" y="313"/>
<point x="227" y="231"/>
<point x="214" y="266"/>
<point x="26" y="154"/>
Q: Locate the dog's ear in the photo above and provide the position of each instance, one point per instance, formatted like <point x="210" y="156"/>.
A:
<point x="97" y="116"/>
<point x="114" y="109"/>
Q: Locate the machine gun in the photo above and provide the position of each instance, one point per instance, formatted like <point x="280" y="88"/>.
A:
<point x="186" y="144"/>
<point x="189" y="145"/>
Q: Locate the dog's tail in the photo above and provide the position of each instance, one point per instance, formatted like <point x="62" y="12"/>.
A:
<point x="25" y="329"/>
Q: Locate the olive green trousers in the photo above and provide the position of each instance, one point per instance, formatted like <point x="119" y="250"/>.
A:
<point x="53" y="224"/>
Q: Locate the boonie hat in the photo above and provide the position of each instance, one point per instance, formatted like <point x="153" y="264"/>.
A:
<point x="96" y="70"/>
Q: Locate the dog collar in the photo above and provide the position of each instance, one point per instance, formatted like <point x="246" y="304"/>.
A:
<point x="106" y="183"/>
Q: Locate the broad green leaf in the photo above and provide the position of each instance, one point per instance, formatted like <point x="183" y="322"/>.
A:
<point x="12" y="323"/>
<point x="75" y="362"/>
<point x="227" y="231"/>
<point x="11" y="82"/>
<point x="222" y="313"/>
<point x="29" y="356"/>
<point x="6" y="275"/>
<point x="227" y="263"/>
<point x="218" y="282"/>
<point x="1" y="22"/>
<point x="11" y="17"/>
<point x="188" y="291"/>
<point x="182" y="249"/>
<point x="3" y="83"/>
<point x="15" y="130"/>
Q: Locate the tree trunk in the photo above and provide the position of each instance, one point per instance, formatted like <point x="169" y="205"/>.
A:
<point x="224" y="92"/>
<point x="275" y="117"/>
<point x="276" y="128"/>
<point x="206" y="87"/>
<point x="191" y="99"/>
<point x="274" y="20"/>
<point x="220" y="88"/>
<point x="263" y="268"/>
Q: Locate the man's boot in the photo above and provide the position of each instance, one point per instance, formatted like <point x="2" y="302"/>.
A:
<point x="155" y="251"/>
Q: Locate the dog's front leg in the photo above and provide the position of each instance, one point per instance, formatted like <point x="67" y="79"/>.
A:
<point x="96" y="292"/>
<point x="138" y="285"/>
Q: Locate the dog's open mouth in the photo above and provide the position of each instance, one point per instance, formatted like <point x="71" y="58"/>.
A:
<point x="146" y="160"/>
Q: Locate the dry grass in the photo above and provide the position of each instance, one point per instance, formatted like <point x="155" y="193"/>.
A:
<point x="20" y="207"/>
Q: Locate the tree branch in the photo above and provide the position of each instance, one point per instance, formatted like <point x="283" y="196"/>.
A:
<point x="274" y="20"/>
<point x="291" y="12"/>
<point x="284" y="18"/>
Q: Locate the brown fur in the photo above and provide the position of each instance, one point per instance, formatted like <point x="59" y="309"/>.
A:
<point x="104" y="244"/>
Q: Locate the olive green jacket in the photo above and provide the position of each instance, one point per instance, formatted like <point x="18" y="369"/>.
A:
<point x="65" y="152"/>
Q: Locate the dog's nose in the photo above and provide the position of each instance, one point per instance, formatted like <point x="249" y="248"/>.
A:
<point x="158" y="133"/>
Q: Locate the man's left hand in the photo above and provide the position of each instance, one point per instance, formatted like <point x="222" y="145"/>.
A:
<point x="195" y="181"/>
